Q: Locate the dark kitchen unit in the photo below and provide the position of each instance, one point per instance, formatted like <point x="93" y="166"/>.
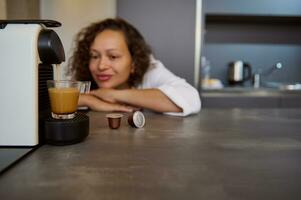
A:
<point x="261" y="33"/>
<point x="169" y="28"/>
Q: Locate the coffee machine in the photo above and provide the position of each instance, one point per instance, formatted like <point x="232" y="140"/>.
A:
<point x="28" y="51"/>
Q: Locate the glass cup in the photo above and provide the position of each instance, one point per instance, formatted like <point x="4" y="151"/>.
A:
<point x="63" y="96"/>
<point x="85" y="86"/>
<point x="84" y="89"/>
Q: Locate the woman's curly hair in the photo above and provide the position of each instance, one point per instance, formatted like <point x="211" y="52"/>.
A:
<point x="138" y="48"/>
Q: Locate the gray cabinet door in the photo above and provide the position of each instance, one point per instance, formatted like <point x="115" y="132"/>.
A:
<point x="169" y="28"/>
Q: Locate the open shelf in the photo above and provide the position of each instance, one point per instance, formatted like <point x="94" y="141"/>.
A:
<point x="252" y="29"/>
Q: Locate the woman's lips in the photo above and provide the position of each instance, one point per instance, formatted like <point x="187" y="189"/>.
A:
<point x="104" y="77"/>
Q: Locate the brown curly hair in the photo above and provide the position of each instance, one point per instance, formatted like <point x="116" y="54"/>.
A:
<point x="140" y="51"/>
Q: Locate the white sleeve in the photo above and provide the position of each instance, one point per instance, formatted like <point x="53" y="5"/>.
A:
<point x="175" y="88"/>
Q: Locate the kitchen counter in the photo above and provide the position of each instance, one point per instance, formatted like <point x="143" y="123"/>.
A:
<point x="240" y="97"/>
<point x="217" y="154"/>
<point x="249" y="91"/>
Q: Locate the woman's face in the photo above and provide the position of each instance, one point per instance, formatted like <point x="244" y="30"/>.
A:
<point x="110" y="60"/>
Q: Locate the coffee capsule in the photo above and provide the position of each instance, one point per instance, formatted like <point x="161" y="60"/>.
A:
<point x="136" y="119"/>
<point x="114" y="120"/>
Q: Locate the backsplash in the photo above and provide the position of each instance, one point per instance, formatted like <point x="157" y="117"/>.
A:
<point x="260" y="33"/>
<point x="260" y="57"/>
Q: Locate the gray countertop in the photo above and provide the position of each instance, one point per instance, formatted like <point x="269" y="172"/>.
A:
<point x="217" y="154"/>
<point x="246" y="97"/>
<point x="249" y="92"/>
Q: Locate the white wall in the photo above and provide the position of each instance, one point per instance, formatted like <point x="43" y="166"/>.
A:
<point x="74" y="15"/>
<point x="2" y="9"/>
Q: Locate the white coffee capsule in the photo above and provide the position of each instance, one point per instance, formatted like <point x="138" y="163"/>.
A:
<point x="136" y="119"/>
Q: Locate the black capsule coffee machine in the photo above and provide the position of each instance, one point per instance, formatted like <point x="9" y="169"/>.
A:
<point x="28" y="51"/>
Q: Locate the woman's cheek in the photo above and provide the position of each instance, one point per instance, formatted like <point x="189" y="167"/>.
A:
<point x="91" y="68"/>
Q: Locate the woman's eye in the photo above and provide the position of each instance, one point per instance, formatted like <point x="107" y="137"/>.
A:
<point x="113" y="57"/>
<point x="94" y="56"/>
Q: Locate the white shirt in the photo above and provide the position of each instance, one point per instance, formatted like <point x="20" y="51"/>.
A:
<point x="175" y="88"/>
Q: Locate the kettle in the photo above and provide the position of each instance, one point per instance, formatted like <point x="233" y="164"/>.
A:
<point x="239" y="72"/>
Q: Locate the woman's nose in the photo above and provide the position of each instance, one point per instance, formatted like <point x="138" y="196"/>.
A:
<point x="103" y="64"/>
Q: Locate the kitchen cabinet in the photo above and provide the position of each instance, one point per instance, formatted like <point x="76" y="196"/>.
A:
<point x="254" y="7"/>
<point x="258" y="32"/>
<point x="169" y="28"/>
<point x="290" y="101"/>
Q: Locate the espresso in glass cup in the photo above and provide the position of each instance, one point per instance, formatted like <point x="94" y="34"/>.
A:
<point x="63" y="96"/>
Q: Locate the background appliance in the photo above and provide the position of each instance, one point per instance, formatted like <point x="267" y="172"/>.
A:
<point x="239" y="72"/>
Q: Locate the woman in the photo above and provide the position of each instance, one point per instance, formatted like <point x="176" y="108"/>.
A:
<point x="125" y="75"/>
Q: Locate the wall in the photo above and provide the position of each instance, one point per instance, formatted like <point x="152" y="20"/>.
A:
<point x="74" y="15"/>
<point x="2" y="9"/>
<point x="22" y="9"/>
<point x="169" y="26"/>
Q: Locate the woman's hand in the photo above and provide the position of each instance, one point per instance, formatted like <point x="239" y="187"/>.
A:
<point x="98" y="104"/>
<point x="152" y="99"/>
